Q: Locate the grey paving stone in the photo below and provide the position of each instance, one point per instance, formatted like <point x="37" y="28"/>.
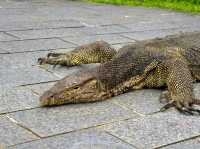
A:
<point x="21" y="60"/>
<point x="19" y="76"/>
<point x="62" y="32"/>
<point x="33" y="45"/>
<point x="111" y="39"/>
<point x="190" y="144"/>
<point x="107" y="29"/>
<point x="123" y="14"/>
<point x="3" y="51"/>
<point x="150" y="34"/>
<point x="22" y="25"/>
<point x="88" y="139"/>
<point x="143" y="35"/>
<point x="21" y="69"/>
<point x="141" y="101"/>
<point x="39" y="89"/>
<point x="14" y="99"/>
<point x="156" y="130"/>
<point x="11" y="134"/>
<point x="147" y="26"/>
<point x="120" y="45"/>
<point x="56" y="120"/>
<point x="145" y="101"/>
<point x="6" y="37"/>
<point x="47" y="33"/>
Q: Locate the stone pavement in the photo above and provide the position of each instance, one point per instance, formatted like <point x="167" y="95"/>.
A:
<point x="31" y="28"/>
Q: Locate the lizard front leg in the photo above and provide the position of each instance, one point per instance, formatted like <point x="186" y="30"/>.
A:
<point x="136" y="82"/>
<point x="96" y="52"/>
<point x="180" y="87"/>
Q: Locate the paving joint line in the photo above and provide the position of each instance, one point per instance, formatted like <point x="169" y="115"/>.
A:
<point x="164" y="29"/>
<point x="9" y="34"/>
<point x="121" y="140"/>
<point x="14" y="111"/>
<point x="22" y="126"/>
<point x="42" y="28"/>
<point x="61" y="38"/>
<point x="176" y="142"/>
<point x="33" y="51"/>
<point x="30" y="39"/>
<point x="126" y="108"/>
<point x="73" y="131"/>
<point x="37" y="83"/>
<point x="124" y="36"/>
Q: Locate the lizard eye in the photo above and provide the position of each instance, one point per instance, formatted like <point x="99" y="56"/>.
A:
<point x="76" y="87"/>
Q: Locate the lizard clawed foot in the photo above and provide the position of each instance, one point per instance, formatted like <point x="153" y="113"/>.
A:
<point x="186" y="108"/>
<point x="51" y="58"/>
<point x="42" y="61"/>
<point x="183" y="106"/>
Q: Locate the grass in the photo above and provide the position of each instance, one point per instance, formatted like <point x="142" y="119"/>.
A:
<point x="179" y="5"/>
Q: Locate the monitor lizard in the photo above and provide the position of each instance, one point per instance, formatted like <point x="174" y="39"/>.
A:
<point x="172" y="61"/>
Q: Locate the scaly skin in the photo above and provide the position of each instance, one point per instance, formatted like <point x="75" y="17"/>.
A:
<point x="172" y="62"/>
<point x="97" y="52"/>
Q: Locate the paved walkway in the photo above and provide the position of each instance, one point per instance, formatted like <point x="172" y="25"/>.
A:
<point x="31" y="28"/>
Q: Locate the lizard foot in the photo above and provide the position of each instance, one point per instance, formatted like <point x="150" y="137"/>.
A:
<point x="183" y="106"/>
<point x="43" y="60"/>
<point x="51" y="58"/>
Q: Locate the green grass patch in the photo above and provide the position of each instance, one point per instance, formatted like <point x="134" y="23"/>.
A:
<point x="179" y="5"/>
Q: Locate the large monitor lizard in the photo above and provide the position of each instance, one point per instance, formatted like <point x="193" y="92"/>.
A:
<point x="172" y="62"/>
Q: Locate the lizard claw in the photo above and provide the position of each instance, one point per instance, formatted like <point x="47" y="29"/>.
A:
<point x="186" y="108"/>
<point x="167" y="106"/>
<point x="51" y="54"/>
<point x="41" y="61"/>
<point x="182" y="106"/>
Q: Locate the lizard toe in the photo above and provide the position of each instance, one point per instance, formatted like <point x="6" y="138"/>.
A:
<point x="164" y="97"/>
<point x="41" y="61"/>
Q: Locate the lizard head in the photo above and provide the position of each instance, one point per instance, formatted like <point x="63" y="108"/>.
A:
<point x="76" y="88"/>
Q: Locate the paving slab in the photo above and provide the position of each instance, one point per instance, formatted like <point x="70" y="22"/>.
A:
<point x="47" y="33"/>
<point x="24" y="60"/>
<point x="105" y="29"/>
<point x="145" y="101"/>
<point x="21" y="68"/>
<point x="3" y="51"/>
<point x="87" y="139"/>
<point x="62" y="32"/>
<point x="110" y="38"/>
<point x="187" y="144"/>
<point x="34" y="45"/>
<point x="148" y="26"/>
<point x="46" y="24"/>
<point x="156" y="130"/>
<point x="56" y="120"/>
<point x="140" y="101"/>
<point x="11" y="133"/>
<point x="17" y="98"/>
<point x="39" y="89"/>
<point x="6" y="37"/>
<point x="24" y="76"/>
<point x="144" y="35"/>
